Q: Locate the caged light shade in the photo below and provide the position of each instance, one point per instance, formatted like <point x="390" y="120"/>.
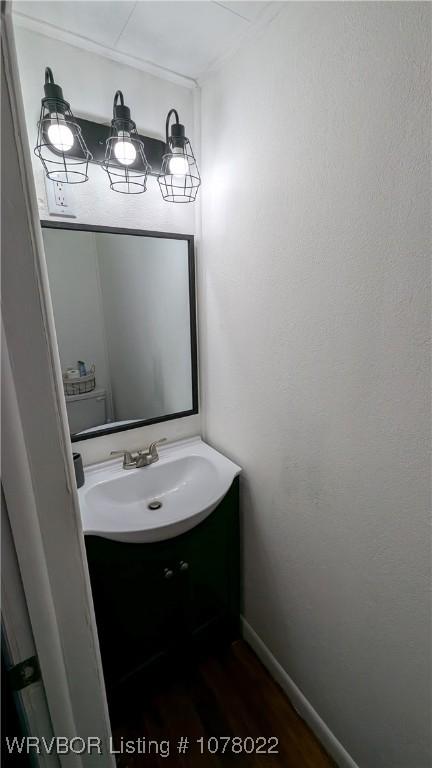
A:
<point x="125" y="161"/>
<point x="60" y="145"/>
<point x="179" y="178"/>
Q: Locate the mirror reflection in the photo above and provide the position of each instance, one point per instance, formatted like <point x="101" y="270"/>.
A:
<point x="125" y="322"/>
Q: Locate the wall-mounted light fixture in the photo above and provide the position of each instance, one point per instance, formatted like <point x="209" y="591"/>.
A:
<point x="179" y="178"/>
<point x="125" y="161"/>
<point x="118" y="149"/>
<point x="60" y="145"/>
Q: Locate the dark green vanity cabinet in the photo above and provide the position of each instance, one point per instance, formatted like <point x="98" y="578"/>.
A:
<point x="166" y="599"/>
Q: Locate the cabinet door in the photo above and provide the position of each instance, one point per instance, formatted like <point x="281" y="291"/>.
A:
<point x="208" y="568"/>
<point x="136" y="597"/>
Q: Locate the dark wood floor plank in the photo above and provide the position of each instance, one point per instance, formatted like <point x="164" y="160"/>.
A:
<point x="254" y="700"/>
<point x="240" y="721"/>
<point x="228" y="693"/>
<point x="276" y="710"/>
<point x="182" y="717"/>
<point x="240" y="711"/>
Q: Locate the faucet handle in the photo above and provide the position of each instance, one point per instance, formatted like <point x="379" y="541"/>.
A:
<point x="128" y="460"/>
<point x="152" y="447"/>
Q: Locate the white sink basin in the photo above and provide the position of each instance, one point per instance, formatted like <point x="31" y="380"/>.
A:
<point x="189" y="480"/>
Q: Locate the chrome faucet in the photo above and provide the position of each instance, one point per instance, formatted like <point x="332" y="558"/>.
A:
<point x="141" y="457"/>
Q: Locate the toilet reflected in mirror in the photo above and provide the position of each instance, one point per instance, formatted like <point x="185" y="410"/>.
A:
<point x="124" y="311"/>
<point x="87" y="411"/>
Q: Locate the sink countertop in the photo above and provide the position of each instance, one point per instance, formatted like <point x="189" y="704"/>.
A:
<point x="189" y="481"/>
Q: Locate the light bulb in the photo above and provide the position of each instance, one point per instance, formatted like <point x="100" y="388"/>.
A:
<point x="178" y="165"/>
<point x="59" y="134"/>
<point x="124" y="150"/>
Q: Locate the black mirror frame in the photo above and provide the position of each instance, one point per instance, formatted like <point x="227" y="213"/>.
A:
<point x="75" y="438"/>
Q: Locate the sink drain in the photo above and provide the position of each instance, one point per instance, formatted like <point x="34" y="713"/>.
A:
<point x="155" y="505"/>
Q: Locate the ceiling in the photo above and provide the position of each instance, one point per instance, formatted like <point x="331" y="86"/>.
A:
<point x="188" y="38"/>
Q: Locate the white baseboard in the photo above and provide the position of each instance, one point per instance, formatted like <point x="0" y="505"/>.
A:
<point x="298" y="700"/>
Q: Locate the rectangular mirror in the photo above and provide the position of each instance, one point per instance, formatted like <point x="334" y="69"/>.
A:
<point x="124" y="311"/>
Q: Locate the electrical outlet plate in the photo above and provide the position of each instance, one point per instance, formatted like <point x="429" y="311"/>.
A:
<point x="58" y="199"/>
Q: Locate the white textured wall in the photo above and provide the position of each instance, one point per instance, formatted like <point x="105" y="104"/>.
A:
<point x="89" y="82"/>
<point x="314" y="327"/>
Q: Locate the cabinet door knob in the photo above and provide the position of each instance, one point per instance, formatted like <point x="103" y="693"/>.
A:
<point x="168" y="573"/>
<point x="184" y="566"/>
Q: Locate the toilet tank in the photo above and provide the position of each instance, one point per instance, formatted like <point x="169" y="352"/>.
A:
<point x="87" y="410"/>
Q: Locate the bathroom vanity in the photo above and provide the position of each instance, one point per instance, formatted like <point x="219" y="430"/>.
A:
<point x="165" y="580"/>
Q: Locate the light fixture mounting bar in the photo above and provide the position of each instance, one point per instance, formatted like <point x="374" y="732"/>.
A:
<point x="96" y="135"/>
